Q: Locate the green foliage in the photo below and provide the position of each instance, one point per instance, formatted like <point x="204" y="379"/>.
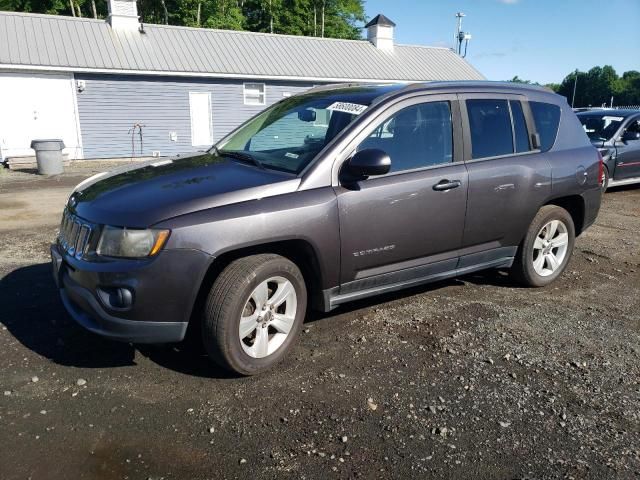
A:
<point x="342" y="18"/>
<point x="517" y="79"/>
<point x="598" y="85"/>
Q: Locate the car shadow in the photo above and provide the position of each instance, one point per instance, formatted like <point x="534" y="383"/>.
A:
<point x="33" y="313"/>
<point x="623" y="188"/>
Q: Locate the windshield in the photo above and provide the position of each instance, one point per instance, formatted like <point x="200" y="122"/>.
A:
<point x="290" y="134"/>
<point x="600" y="127"/>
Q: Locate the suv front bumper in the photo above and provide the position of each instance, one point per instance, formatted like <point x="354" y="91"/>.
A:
<point x="164" y="292"/>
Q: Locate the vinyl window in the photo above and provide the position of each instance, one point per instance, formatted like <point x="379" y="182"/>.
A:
<point x="254" y="93"/>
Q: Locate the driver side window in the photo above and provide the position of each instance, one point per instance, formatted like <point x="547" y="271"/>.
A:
<point x="416" y="137"/>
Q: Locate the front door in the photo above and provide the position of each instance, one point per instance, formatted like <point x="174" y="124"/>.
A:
<point x="200" y="113"/>
<point x="402" y="226"/>
<point x="628" y="154"/>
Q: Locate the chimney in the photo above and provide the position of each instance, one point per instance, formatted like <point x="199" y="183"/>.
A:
<point x="123" y="15"/>
<point x="380" y="32"/>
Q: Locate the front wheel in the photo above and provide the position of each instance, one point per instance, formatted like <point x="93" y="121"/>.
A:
<point x="546" y="249"/>
<point x="254" y="313"/>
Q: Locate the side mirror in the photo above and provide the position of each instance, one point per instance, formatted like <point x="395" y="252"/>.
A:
<point x="369" y="162"/>
<point x="307" y="115"/>
<point x="630" y="136"/>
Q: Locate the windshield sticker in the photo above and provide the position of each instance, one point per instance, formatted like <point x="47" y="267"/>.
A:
<point x="291" y="155"/>
<point x="346" y="107"/>
<point x="607" y="118"/>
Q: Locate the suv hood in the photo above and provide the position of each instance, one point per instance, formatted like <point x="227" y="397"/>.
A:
<point x="141" y="195"/>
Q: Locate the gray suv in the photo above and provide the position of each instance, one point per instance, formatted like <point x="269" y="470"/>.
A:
<point x="337" y="194"/>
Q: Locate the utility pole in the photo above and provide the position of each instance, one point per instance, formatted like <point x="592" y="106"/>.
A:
<point x="458" y="42"/>
<point x="575" y="84"/>
<point x="461" y="37"/>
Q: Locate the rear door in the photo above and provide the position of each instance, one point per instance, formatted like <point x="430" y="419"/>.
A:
<point x="628" y="154"/>
<point x="399" y="227"/>
<point x="508" y="178"/>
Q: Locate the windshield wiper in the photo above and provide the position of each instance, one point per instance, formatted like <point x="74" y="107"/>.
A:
<point x="242" y="156"/>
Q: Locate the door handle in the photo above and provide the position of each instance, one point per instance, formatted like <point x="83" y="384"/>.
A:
<point x="444" y="185"/>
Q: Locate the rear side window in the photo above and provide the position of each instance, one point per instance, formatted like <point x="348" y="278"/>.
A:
<point x="490" y="124"/>
<point x="547" y="118"/>
<point x="520" y="133"/>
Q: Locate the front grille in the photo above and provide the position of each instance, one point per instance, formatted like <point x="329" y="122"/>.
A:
<point x="76" y="235"/>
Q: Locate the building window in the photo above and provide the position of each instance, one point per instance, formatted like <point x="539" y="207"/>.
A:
<point x="254" y="93"/>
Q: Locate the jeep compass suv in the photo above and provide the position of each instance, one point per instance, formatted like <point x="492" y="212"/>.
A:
<point x="337" y="194"/>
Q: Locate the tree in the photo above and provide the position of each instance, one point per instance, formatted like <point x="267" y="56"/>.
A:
<point x="597" y="86"/>
<point x="328" y="18"/>
<point x="627" y="88"/>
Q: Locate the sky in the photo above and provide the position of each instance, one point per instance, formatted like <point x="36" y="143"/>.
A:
<point x="537" y="40"/>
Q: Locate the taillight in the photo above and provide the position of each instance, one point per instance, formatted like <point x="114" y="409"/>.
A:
<point x="600" y="169"/>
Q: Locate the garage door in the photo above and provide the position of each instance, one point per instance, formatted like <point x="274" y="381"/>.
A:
<point x="37" y="106"/>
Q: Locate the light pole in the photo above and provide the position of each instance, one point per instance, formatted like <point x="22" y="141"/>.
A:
<point x="575" y="83"/>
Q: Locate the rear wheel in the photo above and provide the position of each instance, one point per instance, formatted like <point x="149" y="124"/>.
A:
<point x="546" y="248"/>
<point x="254" y="313"/>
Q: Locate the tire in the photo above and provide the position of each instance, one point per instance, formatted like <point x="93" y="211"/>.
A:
<point x="605" y="179"/>
<point x="533" y="266"/>
<point x="241" y="289"/>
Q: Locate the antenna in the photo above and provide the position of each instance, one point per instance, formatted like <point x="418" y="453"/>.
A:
<point x="461" y="36"/>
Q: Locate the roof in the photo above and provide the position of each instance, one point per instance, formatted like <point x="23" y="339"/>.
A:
<point x="380" y="20"/>
<point x="450" y="86"/>
<point x="616" y="112"/>
<point x="51" y="42"/>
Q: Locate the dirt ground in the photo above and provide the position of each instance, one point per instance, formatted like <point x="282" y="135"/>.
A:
<point x="472" y="378"/>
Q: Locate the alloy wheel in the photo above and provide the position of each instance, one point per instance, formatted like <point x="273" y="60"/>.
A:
<point x="268" y="317"/>
<point x="550" y="248"/>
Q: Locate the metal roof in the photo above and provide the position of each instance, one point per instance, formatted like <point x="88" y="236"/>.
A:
<point x="51" y="42"/>
<point x="380" y="19"/>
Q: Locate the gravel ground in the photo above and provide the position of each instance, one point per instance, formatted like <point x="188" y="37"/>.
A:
<point x="472" y="378"/>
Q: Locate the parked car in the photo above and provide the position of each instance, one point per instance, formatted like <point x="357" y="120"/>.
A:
<point x="334" y="195"/>
<point x="616" y="134"/>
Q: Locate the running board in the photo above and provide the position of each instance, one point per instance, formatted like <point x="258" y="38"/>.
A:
<point x="626" y="181"/>
<point x="333" y="298"/>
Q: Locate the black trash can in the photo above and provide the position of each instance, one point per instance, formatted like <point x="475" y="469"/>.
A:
<point x="48" y="155"/>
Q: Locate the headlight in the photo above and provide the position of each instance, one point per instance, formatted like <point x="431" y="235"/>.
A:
<point x="131" y="243"/>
